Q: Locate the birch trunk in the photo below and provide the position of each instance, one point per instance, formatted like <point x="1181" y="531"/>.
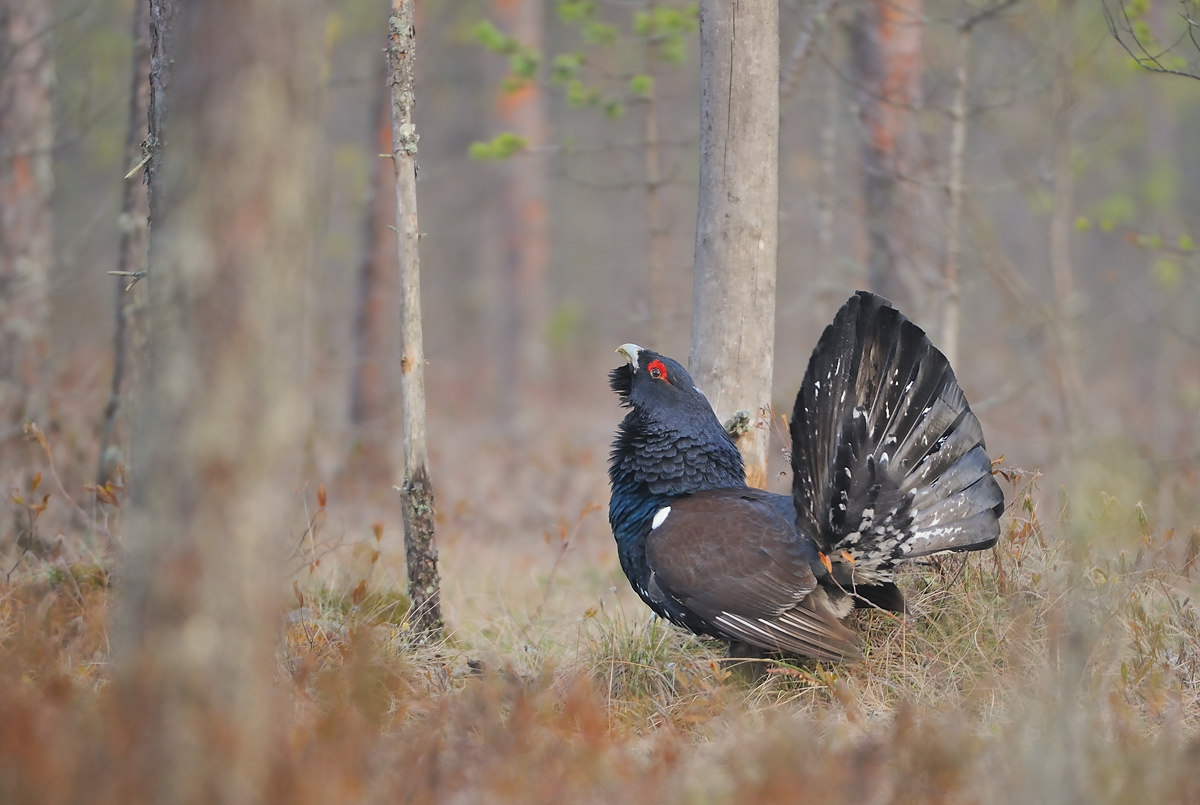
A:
<point x="954" y="199"/>
<point x="1067" y="301"/>
<point x="656" y="256"/>
<point x="737" y="223"/>
<point x="424" y="585"/>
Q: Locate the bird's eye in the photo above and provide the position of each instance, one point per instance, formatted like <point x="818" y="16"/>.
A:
<point x="657" y="370"/>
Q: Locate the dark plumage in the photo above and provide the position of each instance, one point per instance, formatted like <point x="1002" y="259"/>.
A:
<point x="888" y="464"/>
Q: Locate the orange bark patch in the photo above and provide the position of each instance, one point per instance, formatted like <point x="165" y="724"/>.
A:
<point x="22" y="175"/>
<point x="534" y="211"/>
<point x="517" y="98"/>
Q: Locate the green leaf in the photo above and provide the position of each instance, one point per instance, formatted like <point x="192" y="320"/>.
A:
<point x="1167" y="272"/>
<point x="514" y="83"/>
<point x="502" y="146"/>
<point x="642" y="23"/>
<point x="1119" y="208"/>
<point x="334" y="29"/>
<point x="1082" y="224"/>
<point x="579" y="94"/>
<point x="493" y="38"/>
<point x="1186" y="243"/>
<point x="600" y="33"/>
<point x="576" y="10"/>
<point x="614" y="110"/>
<point x="686" y="21"/>
<point x="1161" y="185"/>
<point x="673" y="50"/>
<point x="1142" y="33"/>
<point x="641" y="85"/>
<point x="566" y="67"/>
<point x="524" y="63"/>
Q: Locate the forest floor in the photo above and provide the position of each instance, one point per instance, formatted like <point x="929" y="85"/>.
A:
<point x="1061" y="666"/>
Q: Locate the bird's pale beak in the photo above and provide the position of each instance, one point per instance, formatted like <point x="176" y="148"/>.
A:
<point x="630" y="353"/>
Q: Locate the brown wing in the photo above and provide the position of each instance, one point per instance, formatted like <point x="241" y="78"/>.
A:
<point x="728" y="556"/>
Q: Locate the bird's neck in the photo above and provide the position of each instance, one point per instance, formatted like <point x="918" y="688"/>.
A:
<point x="653" y="464"/>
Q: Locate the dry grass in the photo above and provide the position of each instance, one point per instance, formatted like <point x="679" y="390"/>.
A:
<point x="1060" y="667"/>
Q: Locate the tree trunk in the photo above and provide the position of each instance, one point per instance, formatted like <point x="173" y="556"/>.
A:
<point x="222" y="415"/>
<point x="131" y="251"/>
<point x="816" y="19"/>
<point x="162" y="51"/>
<point x="1067" y="303"/>
<point x="737" y="224"/>
<point x="26" y="217"/>
<point x="885" y="44"/>
<point x="954" y="198"/>
<point x="955" y="189"/>
<point x="424" y="586"/>
<point x="829" y="186"/>
<point x="524" y="222"/>
<point x="373" y="391"/>
<point x="661" y="302"/>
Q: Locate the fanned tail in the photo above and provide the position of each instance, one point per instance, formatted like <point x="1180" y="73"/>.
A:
<point x="888" y="460"/>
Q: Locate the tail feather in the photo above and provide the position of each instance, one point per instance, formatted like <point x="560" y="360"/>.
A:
<point x="920" y="434"/>
<point x="956" y="501"/>
<point x="888" y="460"/>
<point x="959" y="462"/>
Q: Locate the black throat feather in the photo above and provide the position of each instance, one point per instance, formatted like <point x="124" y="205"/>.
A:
<point x="653" y="463"/>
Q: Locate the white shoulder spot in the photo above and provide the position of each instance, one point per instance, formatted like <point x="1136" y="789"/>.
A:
<point x="660" y="517"/>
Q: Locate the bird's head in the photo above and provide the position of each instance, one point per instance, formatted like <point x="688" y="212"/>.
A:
<point x="670" y="443"/>
<point x="649" y="382"/>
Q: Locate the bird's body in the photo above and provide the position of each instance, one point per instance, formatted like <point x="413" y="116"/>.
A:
<point x="888" y="464"/>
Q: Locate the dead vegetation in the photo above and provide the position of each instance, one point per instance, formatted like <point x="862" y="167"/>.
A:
<point x="1062" y="666"/>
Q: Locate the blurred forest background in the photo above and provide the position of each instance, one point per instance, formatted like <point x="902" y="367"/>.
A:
<point x="1053" y="180"/>
<point x="1051" y="99"/>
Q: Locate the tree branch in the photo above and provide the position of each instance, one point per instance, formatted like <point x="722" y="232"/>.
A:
<point x="1122" y="29"/>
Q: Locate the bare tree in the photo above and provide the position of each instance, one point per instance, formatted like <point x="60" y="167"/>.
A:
<point x="797" y="61"/>
<point x="26" y="217"/>
<point x="656" y="256"/>
<point x="131" y="250"/>
<point x="424" y="585"/>
<point x="737" y="224"/>
<point x="952" y="254"/>
<point x="886" y="42"/>
<point x="221" y="416"/>
<point x="1067" y="301"/>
